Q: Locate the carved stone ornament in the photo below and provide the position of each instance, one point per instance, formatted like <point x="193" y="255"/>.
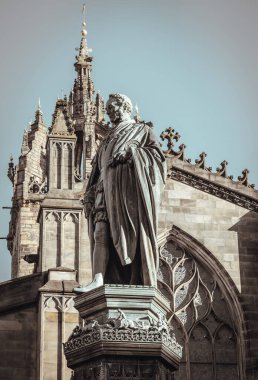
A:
<point x="36" y="186"/>
<point x="62" y="124"/>
<point x="121" y="329"/>
<point x="11" y="170"/>
<point x="170" y="135"/>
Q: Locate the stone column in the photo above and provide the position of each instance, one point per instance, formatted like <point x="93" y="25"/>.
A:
<point x="124" y="335"/>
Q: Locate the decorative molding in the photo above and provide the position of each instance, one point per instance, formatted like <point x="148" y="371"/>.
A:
<point x="170" y="135"/>
<point x="222" y="171"/>
<point x="215" y="189"/>
<point x="71" y="217"/>
<point x="53" y="215"/>
<point x="62" y="144"/>
<point x="59" y="303"/>
<point x="36" y="186"/>
<point x="122" y="329"/>
<point x="200" y="162"/>
<point x="243" y="180"/>
<point x="114" y="369"/>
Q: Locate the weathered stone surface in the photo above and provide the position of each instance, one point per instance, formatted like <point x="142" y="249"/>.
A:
<point x="207" y="219"/>
<point x="19" y="327"/>
<point x="214" y="218"/>
<point x="21" y="291"/>
<point x="139" y="333"/>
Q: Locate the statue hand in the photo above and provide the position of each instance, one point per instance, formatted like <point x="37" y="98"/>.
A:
<point x="121" y="157"/>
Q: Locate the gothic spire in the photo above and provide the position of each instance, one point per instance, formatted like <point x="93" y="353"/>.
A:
<point x="83" y="89"/>
<point x="84" y="51"/>
<point x="39" y="114"/>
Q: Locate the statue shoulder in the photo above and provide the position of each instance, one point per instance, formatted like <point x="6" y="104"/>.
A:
<point x="141" y="123"/>
<point x="147" y="125"/>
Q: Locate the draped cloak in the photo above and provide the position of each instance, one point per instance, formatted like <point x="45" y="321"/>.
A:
<point x="130" y="194"/>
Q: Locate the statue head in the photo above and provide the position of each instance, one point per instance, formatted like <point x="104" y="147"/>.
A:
<point x="119" y="108"/>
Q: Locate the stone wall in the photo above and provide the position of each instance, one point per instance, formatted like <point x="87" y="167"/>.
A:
<point x="230" y="233"/>
<point x="27" y="240"/>
<point x="58" y="319"/>
<point x="19" y="327"/>
<point x="18" y="350"/>
<point x="247" y="234"/>
<point x="208" y="219"/>
<point x="29" y="184"/>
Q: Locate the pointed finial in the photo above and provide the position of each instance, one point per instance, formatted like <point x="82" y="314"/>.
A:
<point x="137" y="116"/>
<point x="11" y="170"/>
<point x="39" y="113"/>
<point x="84" y="31"/>
<point x="83" y="50"/>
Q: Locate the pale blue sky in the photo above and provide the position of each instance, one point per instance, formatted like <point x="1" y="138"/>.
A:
<point x="190" y="64"/>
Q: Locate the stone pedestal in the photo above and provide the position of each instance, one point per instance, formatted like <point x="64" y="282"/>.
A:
<point x="124" y="335"/>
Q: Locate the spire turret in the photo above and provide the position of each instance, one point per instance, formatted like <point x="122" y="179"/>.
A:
<point x="39" y="114"/>
<point x="61" y="123"/>
<point x="83" y="87"/>
<point x="86" y="112"/>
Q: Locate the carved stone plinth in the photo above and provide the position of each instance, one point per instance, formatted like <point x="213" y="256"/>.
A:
<point x="124" y="335"/>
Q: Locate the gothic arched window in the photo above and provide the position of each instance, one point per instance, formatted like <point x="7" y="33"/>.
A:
<point x="201" y="316"/>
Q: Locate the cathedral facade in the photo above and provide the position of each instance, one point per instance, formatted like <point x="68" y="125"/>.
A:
<point x="207" y="243"/>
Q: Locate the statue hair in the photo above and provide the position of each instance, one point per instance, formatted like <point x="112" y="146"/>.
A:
<point x="126" y="102"/>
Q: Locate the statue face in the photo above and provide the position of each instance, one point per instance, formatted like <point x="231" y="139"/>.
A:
<point x="116" y="111"/>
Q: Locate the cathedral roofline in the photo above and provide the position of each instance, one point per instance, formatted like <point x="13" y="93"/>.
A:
<point x="220" y="187"/>
<point x="199" y="176"/>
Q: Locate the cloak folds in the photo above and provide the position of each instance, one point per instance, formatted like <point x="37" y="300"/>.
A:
<point x="131" y="194"/>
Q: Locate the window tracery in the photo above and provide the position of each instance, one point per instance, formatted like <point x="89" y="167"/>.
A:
<point x="200" y="316"/>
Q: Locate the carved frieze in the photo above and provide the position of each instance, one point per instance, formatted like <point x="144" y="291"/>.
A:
<point x="65" y="216"/>
<point x="123" y="370"/>
<point x="124" y="330"/>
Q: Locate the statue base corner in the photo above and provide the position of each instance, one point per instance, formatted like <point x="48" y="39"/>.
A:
<point x="124" y="334"/>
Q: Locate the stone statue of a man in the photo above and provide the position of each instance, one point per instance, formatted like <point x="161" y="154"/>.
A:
<point x="122" y="200"/>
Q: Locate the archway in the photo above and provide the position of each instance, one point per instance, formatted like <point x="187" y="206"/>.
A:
<point x="205" y="312"/>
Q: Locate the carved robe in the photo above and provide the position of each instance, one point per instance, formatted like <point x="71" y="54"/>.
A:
<point x="127" y="196"/>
